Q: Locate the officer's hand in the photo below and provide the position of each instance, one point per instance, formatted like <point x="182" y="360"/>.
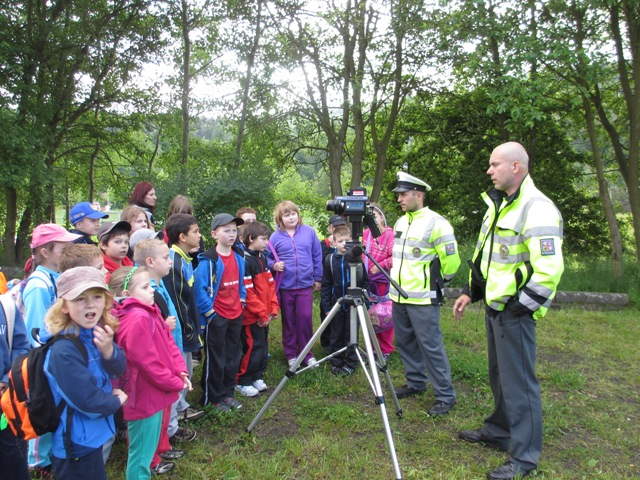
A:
<point x="461" y="303"/>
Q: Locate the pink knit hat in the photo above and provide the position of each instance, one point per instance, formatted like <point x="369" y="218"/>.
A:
<point x="50" y="232"/>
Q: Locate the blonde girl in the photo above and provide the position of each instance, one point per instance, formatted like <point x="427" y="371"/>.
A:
<point x="136" y="217"/>
<point x="155" y="374"/>
<point x="295" y="255"/>
<point x="84" y="382"/>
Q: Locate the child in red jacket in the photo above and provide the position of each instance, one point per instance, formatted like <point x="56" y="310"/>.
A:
<point x="262" y="307"/>
<point x="155" y="373"/>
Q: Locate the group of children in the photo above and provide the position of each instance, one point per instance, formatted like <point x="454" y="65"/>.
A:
<point x="139" y="321"/>
<point x="141" y="325"/>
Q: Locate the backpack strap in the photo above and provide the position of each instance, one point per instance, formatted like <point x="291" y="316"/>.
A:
<point x="47" y="278"/>
<point x="10" y="315"/>
<point x="63" y="403"/>
<point x="161" y="303"/>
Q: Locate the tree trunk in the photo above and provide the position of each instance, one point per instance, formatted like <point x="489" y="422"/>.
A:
<point x="247" y="86"/>
<point x="186" y="82"/>
<point x="11" y="220"/>
<point x="335" y="167"/>
<point x="603" y="191"/>
<point x="381" y="143"/>
<point x="24" y="234"/>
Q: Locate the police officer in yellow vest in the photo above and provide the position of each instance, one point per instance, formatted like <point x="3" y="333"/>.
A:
<point x="515" y="269"/>
<point x="425" y="258"/>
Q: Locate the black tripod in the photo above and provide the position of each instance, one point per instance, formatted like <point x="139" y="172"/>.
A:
<point x="359" y="316"/>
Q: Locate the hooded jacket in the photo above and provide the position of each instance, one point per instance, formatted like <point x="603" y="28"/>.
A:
<point x="262" y="301"/>
<point x="154" y="362"/>
<point x="207" y="281"/>
<point x="86" y="387"/>
<point x="301" y="254"/>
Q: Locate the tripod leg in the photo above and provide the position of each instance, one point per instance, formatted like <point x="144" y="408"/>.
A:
<point x="365" y="325"/>
<point x="292" y="371"/>
<point x="382" y="362"/>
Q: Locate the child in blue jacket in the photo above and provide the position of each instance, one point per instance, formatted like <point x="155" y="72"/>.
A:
<point x="82" y="310"/>
<point x="13" y="451"/>
<point x="220" y="296"/>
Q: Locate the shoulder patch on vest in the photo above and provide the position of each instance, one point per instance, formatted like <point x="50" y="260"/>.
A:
<point x="450" y="248"/>
<point x="547" y="247"/>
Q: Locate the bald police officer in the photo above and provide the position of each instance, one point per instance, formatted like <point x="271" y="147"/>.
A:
<point x="425" y="258"/>
<point x="516" y="269"/>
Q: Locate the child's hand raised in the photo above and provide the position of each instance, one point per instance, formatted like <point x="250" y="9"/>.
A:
<point x="172" y="322"/>
<point x="103" y="339"/>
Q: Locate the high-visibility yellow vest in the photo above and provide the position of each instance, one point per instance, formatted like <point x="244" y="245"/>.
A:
<point x="521" y="249"/>
<point x="425" y="257"/>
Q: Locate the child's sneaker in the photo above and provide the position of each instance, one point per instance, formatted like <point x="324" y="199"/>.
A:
<point x="232" y="403"/>
<point x="247" y="390"/>
<point x="291" y="361"/>
<point x="336" y="370"/>
<point x="163" y="467"/>
<point x="221" y="407"/>
<point x="173" y="454"/>
<point x="190" y="415"/>
<point x="312" y="363"/>
<point x="184" y="435"/>
<point x="346" y="371"/>
<point x="260" y="385"/>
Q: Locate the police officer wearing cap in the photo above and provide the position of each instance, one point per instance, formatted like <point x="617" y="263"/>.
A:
<point x="425" y="258"/>
<point x="516" y="269"/>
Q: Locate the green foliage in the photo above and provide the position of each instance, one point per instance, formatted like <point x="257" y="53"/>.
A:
<point x="304" y="194"/>
<point x="214" y="187"/>
<point x="587" y="273"/>
<point x="447" y="141"/>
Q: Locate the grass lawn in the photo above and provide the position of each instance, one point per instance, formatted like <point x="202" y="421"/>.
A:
<point x="323" y="427"/>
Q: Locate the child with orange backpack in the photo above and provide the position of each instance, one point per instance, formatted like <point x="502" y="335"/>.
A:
<point x="83" y="382"/>
<point x="13" y="343"/>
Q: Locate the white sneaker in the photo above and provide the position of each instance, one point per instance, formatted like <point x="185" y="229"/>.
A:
<point x="291" y="362"/>
<point x="247" y="390"/>
<point x="312" y="362"/>
<point x="260" y="385"/>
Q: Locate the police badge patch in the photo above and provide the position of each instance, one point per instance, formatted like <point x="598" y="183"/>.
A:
<point x="547" y="247"/>
<point x="450" y="248"/>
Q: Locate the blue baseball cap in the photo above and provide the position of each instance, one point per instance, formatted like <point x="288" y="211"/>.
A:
<point x="85" y="210"/>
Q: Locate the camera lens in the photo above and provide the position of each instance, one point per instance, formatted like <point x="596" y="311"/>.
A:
<point x="336" y="206"/>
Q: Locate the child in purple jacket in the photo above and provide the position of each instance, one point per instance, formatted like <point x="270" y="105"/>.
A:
<point x="296" y="257"/>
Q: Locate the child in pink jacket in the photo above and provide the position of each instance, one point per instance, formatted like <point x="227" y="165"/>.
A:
<point x="381" y="249"/>
<point x="155" y="373"/>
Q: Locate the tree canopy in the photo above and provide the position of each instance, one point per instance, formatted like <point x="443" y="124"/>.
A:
<point x="256" y="101"/>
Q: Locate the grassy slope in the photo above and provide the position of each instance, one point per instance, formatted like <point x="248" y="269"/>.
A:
<point x="323" y="427"/>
